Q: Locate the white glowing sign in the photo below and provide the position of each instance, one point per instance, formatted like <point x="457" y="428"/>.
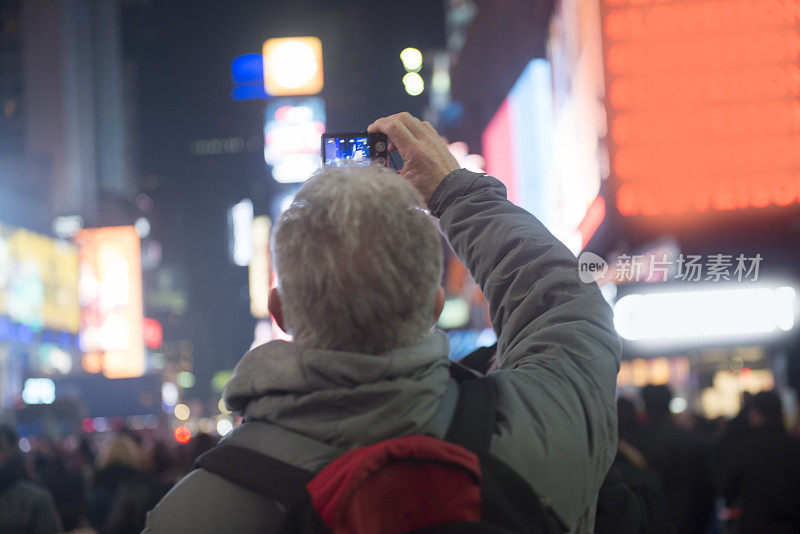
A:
<point x="292" y="131"/>
<point x="39" y="391"/>
<point x="718" y="314"/>
<point x="240" y="220"/>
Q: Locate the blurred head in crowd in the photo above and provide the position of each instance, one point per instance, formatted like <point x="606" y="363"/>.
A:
<point x="765" y="410"/>
<point x="122" y="450"/>
<point x="358" y="262"/>
<point x="626" y="417"/>
<point x="9" y="444"/>
<point x="656" y="400"/>
<point x="158" y="458"/>
<point x="747" y="400"/>
<point x="202" y="443"/>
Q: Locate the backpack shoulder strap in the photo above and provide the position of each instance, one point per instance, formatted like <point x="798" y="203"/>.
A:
<point x="473" y="421"/>
<point x="257" y="472"/>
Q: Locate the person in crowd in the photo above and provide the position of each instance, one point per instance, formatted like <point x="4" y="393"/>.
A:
<point x="732" y="432"/>
<point x="359" y="261"/>
<point x="739" y="427"/>
<point x="62" y="479"/>
<point x="630" y="461"/>
<point x="631" y="500"/>
<point x="681" y="461"/>
<point x="24" y="506"/>
<point x="118" y="461"/>
<point x="123" y="489"/>
<point x="134" y="497"/>
<point x="762" y="474"/>
<point x="187" y="453"/>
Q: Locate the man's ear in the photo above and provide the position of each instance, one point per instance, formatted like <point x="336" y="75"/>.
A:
<point x="276" y="307"/>
<point x="438" y="304"/>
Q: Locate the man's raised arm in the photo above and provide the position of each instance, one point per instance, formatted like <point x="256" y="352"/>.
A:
<point x="558" y="351"/>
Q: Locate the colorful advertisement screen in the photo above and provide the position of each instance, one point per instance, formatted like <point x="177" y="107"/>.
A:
<point x="292" y="130"/>
<point x="703" y="103"/>
<point x="111" y="298"/>
<point x="38" y="281"/>
<point x="544" y="141"/>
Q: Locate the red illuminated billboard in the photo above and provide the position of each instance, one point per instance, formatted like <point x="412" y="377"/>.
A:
<point x="703" y="101"/>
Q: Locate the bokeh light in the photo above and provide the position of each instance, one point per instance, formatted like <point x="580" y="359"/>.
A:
<point x="413" y="83"/>
<point x="182" y="412"/>
<point x="182" y="434"/>
<point x="185" y="379"/>
<point x="412" y="59"/>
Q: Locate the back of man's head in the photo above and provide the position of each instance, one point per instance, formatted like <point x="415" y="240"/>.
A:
<point x="358" y="262"/>
<point x="656" y="400"/>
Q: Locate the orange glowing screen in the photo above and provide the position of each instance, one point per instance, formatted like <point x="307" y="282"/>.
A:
<point x="703" y="103"/>
<point x="110" y="290"/>
<point x="293" y="66"/>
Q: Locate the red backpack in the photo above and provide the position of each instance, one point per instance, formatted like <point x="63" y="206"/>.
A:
<point x="409" y="484"/>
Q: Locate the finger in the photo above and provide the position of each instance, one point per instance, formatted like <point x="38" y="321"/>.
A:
<point x="432" y="134"/>
<point x="397" y="132"/>
<point x="413" y="124"/>
<point x="430" y="129"/>
<point x="391" y="147"/>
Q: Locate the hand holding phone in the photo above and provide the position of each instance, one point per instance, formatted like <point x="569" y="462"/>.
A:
<point x="426" y="159"/>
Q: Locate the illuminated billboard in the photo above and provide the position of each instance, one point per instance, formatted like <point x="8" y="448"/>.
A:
<point x="293" y="66"/>
<point x="112" y="335"/>
<point x="703" y="104"/>
<point x="38" y="280"/>
<point x="259" y="270"/>
<point x="544" y="141"/>
<point x="292" y="130"/>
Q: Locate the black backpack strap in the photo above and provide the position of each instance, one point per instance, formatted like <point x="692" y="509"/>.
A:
<point x="508" y="499"/>
<point x="479" y="360"/>
<point x="257" y="472"/>
<point x="473" y="421"/>
<point x="462" y="373"/>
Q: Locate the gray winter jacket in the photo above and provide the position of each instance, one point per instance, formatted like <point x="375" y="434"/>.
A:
<point x="558" y="360"/>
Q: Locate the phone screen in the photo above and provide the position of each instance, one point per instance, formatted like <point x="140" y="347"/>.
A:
<point x="347" y="150"/>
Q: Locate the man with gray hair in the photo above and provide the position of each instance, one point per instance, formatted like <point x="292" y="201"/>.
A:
<point x="358" y="258"/>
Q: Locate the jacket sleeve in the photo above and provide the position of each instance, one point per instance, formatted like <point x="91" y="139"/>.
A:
<point x="558" y="351"/>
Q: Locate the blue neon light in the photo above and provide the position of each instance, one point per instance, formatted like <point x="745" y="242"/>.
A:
<point x="248" y="92"/>
<point x="247" y="69"/>
<point x="247" y="72"/>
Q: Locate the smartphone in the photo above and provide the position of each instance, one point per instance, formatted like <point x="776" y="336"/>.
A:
<point x="360" y="148"/>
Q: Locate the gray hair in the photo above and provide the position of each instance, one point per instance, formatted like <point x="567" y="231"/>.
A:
<point x="358" y="261"/>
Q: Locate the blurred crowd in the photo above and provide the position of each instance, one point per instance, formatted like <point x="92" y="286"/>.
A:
<point x="687" y="474"/>
<point x="699" y="476"/>
<point x="88" y="484"/>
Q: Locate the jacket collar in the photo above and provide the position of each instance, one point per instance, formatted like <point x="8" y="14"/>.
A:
<point x="345" y="399"/>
